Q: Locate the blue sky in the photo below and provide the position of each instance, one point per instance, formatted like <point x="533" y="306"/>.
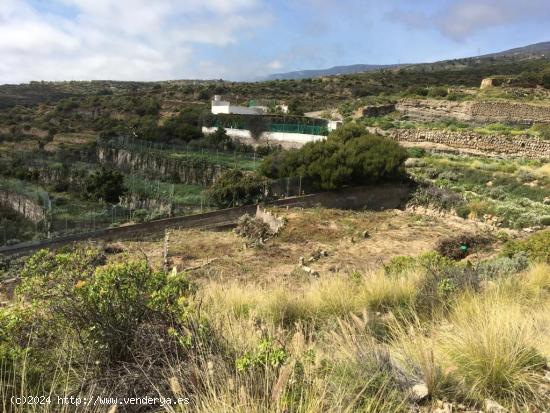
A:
<point x="245" y="39"/>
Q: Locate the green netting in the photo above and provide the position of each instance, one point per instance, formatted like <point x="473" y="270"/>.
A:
<point x="309" y="126"/>
<point x="298" y="128"/>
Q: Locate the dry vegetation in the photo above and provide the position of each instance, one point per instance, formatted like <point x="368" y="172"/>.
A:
<point x="340" y="312"/>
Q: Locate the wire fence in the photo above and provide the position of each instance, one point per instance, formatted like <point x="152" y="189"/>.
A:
<point x="67" y="219"/>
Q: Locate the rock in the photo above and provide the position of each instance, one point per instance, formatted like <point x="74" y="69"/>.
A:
<point x="491" y="406"/>
<point x="366" y="234"/>
<point x="489" y="183"/>
<point x="414" y="162"/>
<point x="418" y="392"/>
<point x="444" y="407"/>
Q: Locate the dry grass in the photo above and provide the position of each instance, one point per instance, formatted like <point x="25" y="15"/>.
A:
<point x="491" y="344"/>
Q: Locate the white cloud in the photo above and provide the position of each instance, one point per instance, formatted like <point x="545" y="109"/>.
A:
<point x="274" y="65"/>
<point x="118" y="39"/>
<point x="462" y="18"/>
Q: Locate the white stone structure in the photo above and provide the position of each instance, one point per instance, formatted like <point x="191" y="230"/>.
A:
<point x="224" y="106"/>
<point x="286" y="139"/>
<point x="333" y="125"/>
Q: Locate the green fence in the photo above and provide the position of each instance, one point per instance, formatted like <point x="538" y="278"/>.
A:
<point x="272" y="123"/>
<point x="298" y="128"/>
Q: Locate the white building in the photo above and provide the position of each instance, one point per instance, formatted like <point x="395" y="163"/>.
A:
<point x="333" y="125"/>
<point x="223" y="106"/>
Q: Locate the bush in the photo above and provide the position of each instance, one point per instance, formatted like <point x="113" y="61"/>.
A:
<point x="105" y="185"/>
<point x="440" y="198"/>
<point x="219" y="140"/>
<point x="108" y="306"/>
<point x="235" y="188"/>
<point x="416" y="152"/>
<point x="537" y="247"/>
<point x="438" y="92"/>
<point x="348" y="156"/>
<point x="492" y="347"/>
<point x="459" y="247"/>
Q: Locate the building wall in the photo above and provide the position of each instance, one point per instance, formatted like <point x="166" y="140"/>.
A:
<point x="238" y="110"/>
<point x="287" y="140"/>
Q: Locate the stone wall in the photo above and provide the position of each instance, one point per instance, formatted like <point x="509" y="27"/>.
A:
<point x="187" y="171"/>
<point x="375" y="110"/>
<point x="510" y="146"/>
<point x="474" y="111"/>
<point x="22" y="205"/>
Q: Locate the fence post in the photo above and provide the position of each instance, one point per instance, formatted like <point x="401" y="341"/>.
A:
<point x="287" y="186"/>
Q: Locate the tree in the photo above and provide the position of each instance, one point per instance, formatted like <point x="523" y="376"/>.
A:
<point x="105" y="185"/>
<point x="256" y="125"/>
<point x="235" y="188"/>
<point x="219" y="140"/>
<point x="349" y="156"/>
<point x="294" y="108"/>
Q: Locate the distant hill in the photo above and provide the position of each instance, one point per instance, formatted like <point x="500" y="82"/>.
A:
<point x="333" y="71"/>
<point x="531" y="51"/>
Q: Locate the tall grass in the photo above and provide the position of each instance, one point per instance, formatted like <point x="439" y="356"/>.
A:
<point x="491" y="344"/>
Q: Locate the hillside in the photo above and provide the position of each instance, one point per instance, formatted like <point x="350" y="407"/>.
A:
<point x="536" y="50"/>
<point x="196" y="263"/>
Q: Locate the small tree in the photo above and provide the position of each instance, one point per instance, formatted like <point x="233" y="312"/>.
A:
<point x="105" y="185"/>
<point x="257" y="125"/>
<point x="235" y="188"/>
<point x="220" y="140"/>
<point x="349" y="156"/>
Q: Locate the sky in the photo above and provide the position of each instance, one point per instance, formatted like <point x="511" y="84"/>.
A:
<point x="247" y="39"/>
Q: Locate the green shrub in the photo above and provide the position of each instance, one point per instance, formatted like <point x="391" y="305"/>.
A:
<point x="105" y="185"/>
<point x="235" y="188"/>
<point x="416" y="152"/>
<point x="537" y="247"/>
<point x="348" y="156"/>
<point x="399" y="264"/>
<point x="438" y="92"/>
<point x="542" y="130"/>
<point x="107" y="307"/>
<point x="267" y="354"/>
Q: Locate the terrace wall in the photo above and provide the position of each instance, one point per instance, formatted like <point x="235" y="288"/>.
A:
<point x="187" y="171"/>
<point x="22" y="205"/>
<point x="523" y="146"/>
<point x="474" y="111"/>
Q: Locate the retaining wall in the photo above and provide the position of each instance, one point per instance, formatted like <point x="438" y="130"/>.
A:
<point x="187" y="171"/>
<point x="474" y="111"/>
<point x="523" y="146"/>
<point x="22" y="205"/>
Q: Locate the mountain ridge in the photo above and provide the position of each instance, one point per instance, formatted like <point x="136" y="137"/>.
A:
<point x="540" y="49"/>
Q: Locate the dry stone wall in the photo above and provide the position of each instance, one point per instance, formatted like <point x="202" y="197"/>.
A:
<point x="524" y="146"/>
<point x="474" y="111"/>
<point x="189" y="172"/>
<point x="22" y="205"/>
